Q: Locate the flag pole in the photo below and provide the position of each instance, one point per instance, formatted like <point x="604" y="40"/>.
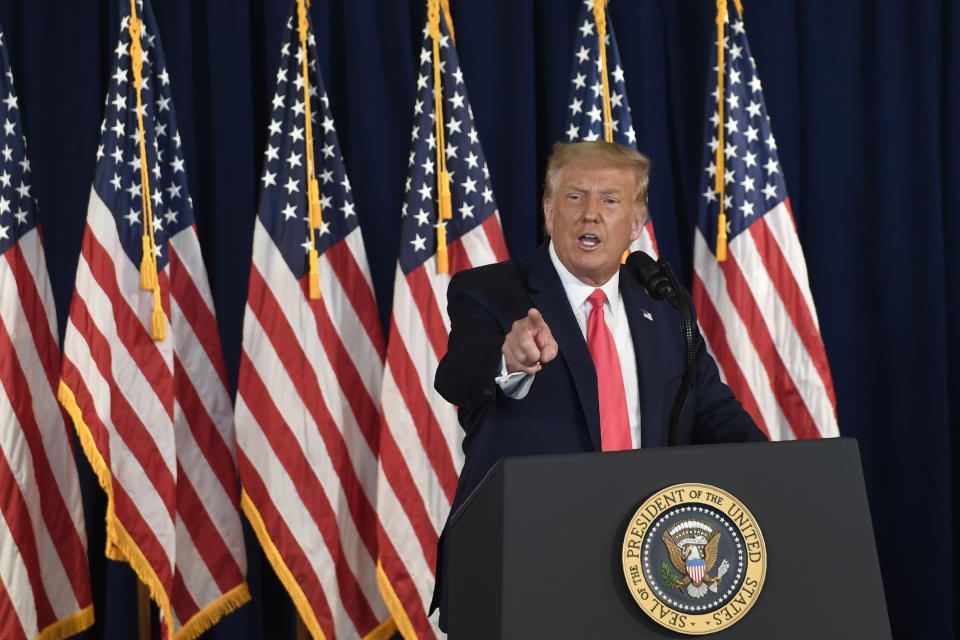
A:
<point x="444" y="205"/>
<point x="720" y="182"/>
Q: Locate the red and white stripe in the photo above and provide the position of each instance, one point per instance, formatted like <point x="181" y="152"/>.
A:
<point x="155" y="421"/>
<point x="307" y="429"/>
<point x="44" y="580"/>
<point x="759" y="321"/>
<point x="420" y="453"/>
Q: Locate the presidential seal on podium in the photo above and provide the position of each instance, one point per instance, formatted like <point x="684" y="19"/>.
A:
<point x="694" y="558"/>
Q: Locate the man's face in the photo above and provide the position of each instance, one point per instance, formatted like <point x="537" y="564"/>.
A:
<point x="592" y="219"/>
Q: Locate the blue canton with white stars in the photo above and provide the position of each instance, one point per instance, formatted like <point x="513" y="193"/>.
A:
<point x="117" y="178"/>
<point x="17" y="208"/>
<point x="752" y="177"/>
<point x="585" y="109"/>
<point x="471" y="194"/>
<point x="284" y="210"/>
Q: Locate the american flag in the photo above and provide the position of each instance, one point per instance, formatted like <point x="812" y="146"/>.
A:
<point x="585" y="111"/>
<point x="420" y="454"/>
<point x="755" y="308"/>
<point x="154" y="417"/>
<point x="309" y="386"/>
<point x="44" y="581"/>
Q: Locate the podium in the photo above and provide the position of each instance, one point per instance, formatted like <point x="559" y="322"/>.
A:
<point x="535" y="552"/>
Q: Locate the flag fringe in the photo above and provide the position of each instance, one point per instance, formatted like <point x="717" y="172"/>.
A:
<point x="383" y="631"/>
<point x="120" y="545"/>
<point x="399" y="614"/>
<point x="69" y="626"/>
<point x="211" y="614"/>
<point x="279" y="566"/>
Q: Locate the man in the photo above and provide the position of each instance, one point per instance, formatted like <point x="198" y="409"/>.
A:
<point x="564" y="351"/>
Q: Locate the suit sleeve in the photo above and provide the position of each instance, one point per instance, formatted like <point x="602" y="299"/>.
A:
<point x="466" y="373"/>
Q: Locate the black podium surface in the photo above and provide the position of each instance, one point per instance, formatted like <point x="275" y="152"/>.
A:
<point x="536" y="551"/>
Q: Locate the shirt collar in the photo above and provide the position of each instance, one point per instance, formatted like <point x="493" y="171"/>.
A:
<point x="578" y="291"/>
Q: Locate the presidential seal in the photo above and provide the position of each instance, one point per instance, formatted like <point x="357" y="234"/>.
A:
<point x="694" y="558"/>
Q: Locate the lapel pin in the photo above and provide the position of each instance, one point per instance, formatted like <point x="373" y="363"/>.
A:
<point x="647" y="315"/>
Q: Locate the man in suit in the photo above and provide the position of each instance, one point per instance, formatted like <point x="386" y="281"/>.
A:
<point x="565" y="351"/>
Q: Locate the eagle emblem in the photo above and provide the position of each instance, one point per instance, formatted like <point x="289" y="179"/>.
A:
<point x="692" y="546"/>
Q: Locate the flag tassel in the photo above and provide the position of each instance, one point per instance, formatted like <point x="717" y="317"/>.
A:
<point x="314" y="275"/>
<point x="148" y="270"/>
<point x="158" y="320"/>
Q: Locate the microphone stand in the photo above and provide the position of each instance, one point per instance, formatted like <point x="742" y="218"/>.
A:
<point x="662" y="283"/>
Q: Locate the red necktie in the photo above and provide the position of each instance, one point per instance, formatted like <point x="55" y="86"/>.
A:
<point x="614" y="420"/>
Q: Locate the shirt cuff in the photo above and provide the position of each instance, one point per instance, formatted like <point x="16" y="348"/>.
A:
<point x="517" y="384"/>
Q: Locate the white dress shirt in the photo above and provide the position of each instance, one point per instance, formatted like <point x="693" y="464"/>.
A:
<point x="517" y="384"/>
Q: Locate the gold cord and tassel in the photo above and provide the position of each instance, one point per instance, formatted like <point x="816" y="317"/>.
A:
<point x="719" y="178"/>
<point x="444" y="203"/>
<point x="315" y="215"/>
<point x="148" y="261"/>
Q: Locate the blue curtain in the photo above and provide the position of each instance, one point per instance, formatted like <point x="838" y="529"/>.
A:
<point x="865" y="103"/>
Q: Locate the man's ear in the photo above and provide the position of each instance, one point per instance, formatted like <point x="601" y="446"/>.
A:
<point x="638" y="221"/>
<point x="548" y="216"/>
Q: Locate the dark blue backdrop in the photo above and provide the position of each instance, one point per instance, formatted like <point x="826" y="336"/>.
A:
<point x="865" y="99"/>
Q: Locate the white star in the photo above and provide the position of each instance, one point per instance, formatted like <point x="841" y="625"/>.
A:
<point x="325" y="202"/>
<point x="730" y="150"/>
<point x="471" y="160"/>
<point x="733" y="100"/>
<point x="451" y="152"/>
<point x="177" y="164"/>
<point x="457" y="100"/>
<point x="755" y="84"/>
<point x="772" y="167"/>
<point x="133" y="217"/>
<point x="3" y="232"/>
<point x="296" y="134"/>
<point x="133" y="190"/>
<point x="615" y="99"/>
<point x="753" y="109"/>
<point x="277" y="101"/>
<point x="427" y="166"/>
<point x="161" y="130"/>
<point x="586" y="29"/>
<point x="5" y="178"/>
<point x="307" y="245"/>
<point x="734" y="77"/>
<point x="345" y="183"/>
<point x="453" y="126"/>
<point x="170" y="216"/>
<point x="173" y="191"/>
<point x="324" y="228"/>
<point x="597" y="89"/>
<point x="731" y="125"/>
<point x="419" y="244"/>
<point x="23" y="190"/>
<point x="747" y="209"/>
<point x="269" y="178"/>
<point x="474" y="138"/>
<point x="770" y="191"/>
<point x="348" y="209"/>
<point x="422" y="218"/>
<point x="595" y="114"/>
<point x="469" y="185"/>
<point x="294" y="160"/>
<point x="580" y="81"/>
<point x="274" y="127"/>
<point x="710" y="195"/>
<point x="458" y="76"/>
<point x="771" y="143"/>
<point x="572" y="132"/>
<point x="289" y="211"/>
<point x="424" y="56"/>
<point x="590" y="137"/>
<point x="576" y="106"/>
<point x="631" y="135"/>
<point x="750" y="159"/>
<point x="326" y="176"/>
<point x="617" y="74"/>
<point x="291" y="185"/>
<point x="466" y="211"/>
<point x="157" y="224"/>
<point x="271" y="152"/>
<point x="327" y="124"/>
<point x="115" y="182"/>
<point x="715" y="118"/>
<point x="421" y="82"/>
<point x="163" y="104"/>
<point x="487" y="194"/>
<point x="747" y="184"/>
<point x="727" y="176"/>
<point x="751" y="133"/>
<point x="297" y="107"/>
<point x="737" y="26"/>
<point x="425" y="193"/>
<point x="418" y="107"/>
<point x="117" y="155"/>
<point x="21" y="216"/>
<point x="157" y="197"/>
<point x="583" y="54"/>
<point x="711" y="169"/>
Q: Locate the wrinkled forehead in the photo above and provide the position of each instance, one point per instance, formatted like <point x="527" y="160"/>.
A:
<point x="600" y="175"/>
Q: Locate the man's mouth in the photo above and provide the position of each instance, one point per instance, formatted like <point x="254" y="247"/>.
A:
<point x="589" y="240"/>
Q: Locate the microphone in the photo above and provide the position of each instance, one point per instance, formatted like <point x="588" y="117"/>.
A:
<point x="653" y="276"/>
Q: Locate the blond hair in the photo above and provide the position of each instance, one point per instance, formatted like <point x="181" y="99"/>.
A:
<point x="599" y="154"/>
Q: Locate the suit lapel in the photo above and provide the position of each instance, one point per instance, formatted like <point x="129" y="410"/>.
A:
<point x="550" y="299"/>
<point x="650" y="373"/>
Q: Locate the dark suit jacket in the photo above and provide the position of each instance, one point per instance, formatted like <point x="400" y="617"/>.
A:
<point x="560" y="413"/>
